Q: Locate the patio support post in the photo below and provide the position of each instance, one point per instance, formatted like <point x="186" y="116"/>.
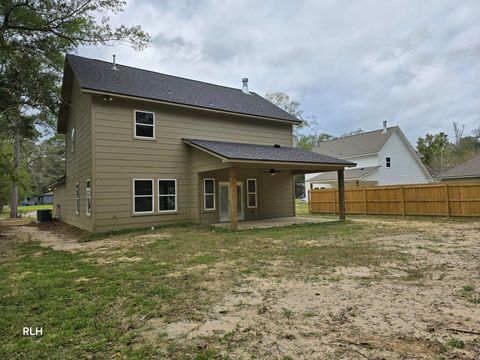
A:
<point x="341" y="195"/>
<point x="233" y="198"/>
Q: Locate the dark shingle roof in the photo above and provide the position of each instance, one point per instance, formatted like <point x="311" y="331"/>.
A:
<point x="468" y="169"/>
<point x="366" y="143"/>
<point x="350" y="174"/>
<point x="253" y="152"/>
<point x="99" y="76"/>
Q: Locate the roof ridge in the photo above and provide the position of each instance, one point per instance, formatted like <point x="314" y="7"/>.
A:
<point x="161" y="73"/>
<point x="363" y="133"/>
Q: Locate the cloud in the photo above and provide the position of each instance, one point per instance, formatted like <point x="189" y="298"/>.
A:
<point x="350" y="63"/>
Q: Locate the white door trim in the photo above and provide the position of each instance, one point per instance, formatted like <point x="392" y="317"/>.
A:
<point x="241" y="214"/>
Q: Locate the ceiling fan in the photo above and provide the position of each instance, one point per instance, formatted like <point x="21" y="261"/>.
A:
<point x="271" y="171"/>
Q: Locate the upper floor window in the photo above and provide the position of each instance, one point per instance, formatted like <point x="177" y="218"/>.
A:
<point x="388" y="162"/>
<point x="167" y="195"/>
<point x="144" y="124"/>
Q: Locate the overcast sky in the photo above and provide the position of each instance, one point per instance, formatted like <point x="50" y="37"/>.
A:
<point x="351" y="64"/>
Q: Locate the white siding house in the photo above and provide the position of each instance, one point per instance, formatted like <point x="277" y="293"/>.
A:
<point x="383" y="157"/>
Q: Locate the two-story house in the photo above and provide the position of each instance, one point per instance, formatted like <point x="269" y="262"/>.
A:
<point x="383" y="157"/>
<point x="145" y="148"/>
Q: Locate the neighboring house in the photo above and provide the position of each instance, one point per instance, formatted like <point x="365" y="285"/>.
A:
<point x="145" y="148"/>
<point x="468" y="171"/>
<point x="44" y="199"/>
<point x="383" y="157"/>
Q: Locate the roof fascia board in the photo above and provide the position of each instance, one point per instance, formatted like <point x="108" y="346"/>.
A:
<point x="333" y="166"/>
<point x="457" y="176"/>
<point x="96" y="92"/>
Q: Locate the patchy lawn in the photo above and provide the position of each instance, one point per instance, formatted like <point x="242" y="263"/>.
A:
<point x="24" y="209"/>
<point x="371" y="288"/>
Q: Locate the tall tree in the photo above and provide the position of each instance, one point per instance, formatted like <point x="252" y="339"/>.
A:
<point x="34" y="37"/>
<point x="434" y="148"/>
<point x="45" y="162"/>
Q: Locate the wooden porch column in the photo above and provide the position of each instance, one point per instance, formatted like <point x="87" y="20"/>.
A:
<point x="341" y="195"/>
<point x="233" y="198"/>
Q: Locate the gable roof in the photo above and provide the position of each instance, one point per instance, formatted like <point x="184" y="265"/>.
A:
<point x="350" y="174"/>
<point x="99" y="76"/>
<point x="267" y="153"/>
<point x="370" y="142"/>
<point x="468" y="169"/>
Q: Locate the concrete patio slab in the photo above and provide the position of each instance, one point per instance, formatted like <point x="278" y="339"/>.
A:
<point x="274" y="222"/>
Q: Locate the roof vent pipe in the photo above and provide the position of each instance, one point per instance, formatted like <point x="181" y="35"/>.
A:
<point x="245" y="86"/>
<point x="384" y="130"/>
<point x="114" y="67"/>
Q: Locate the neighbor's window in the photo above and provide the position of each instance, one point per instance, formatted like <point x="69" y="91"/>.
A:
<point x="77" y="198"/>
<point x="142" y="196"/>
<point x="209" y="194"/>
<point x="167" y="195"/>
<point x="252" y="193"/>
<point x="88" y="198"/>
<point x="388" y="161"/>
<point x="144" y="124"/>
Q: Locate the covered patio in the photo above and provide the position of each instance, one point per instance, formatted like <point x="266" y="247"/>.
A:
<point x="249" y="182"/>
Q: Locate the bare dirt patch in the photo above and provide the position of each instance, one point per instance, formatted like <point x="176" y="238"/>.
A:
<point x="398" y="310"/>
<point x="63" y="237"/>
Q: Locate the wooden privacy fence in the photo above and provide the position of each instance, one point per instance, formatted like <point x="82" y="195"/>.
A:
<point x="439" y="199"/>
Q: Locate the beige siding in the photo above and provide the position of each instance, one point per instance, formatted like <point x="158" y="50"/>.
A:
<point x="276" y="195"/>
<point x="78" y="163"/>
<point x="58" y="201"/>
<point x="119" y="157"/>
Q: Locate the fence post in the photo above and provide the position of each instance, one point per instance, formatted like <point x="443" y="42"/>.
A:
<point x="447" y="201"/>
<point x="403" y="201"/>
<point x="365" y="201"/>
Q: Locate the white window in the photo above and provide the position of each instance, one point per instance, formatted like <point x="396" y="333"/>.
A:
<point x="88" y="198"/>
<point x="142" y="196"/>
<point x="72" y="140"/>
<point x="144" y="124"/>
<point x="388" y="162"/>
<point x="77" y="199"/>
<point x="251" y="193"/>
<point x="167" y="195"/>
<point x="209" y="194"/>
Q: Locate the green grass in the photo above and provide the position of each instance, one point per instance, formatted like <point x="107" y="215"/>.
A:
<point x="301" y="208"/>
<point x="25" y="209"/>
<point x="94" y="304"/>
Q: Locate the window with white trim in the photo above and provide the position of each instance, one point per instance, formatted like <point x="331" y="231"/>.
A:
<point x="88" y="197"/>
<point x="167" y="195"/>
<point x="209" y="194"/>
<point x="388" y="162"/>
<point x="72" y="140"/>
<point x="142" y="196"/>
<point x="144" y="124"/>
<point x="77" y="199"/>
<point x="251" y="193"/>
